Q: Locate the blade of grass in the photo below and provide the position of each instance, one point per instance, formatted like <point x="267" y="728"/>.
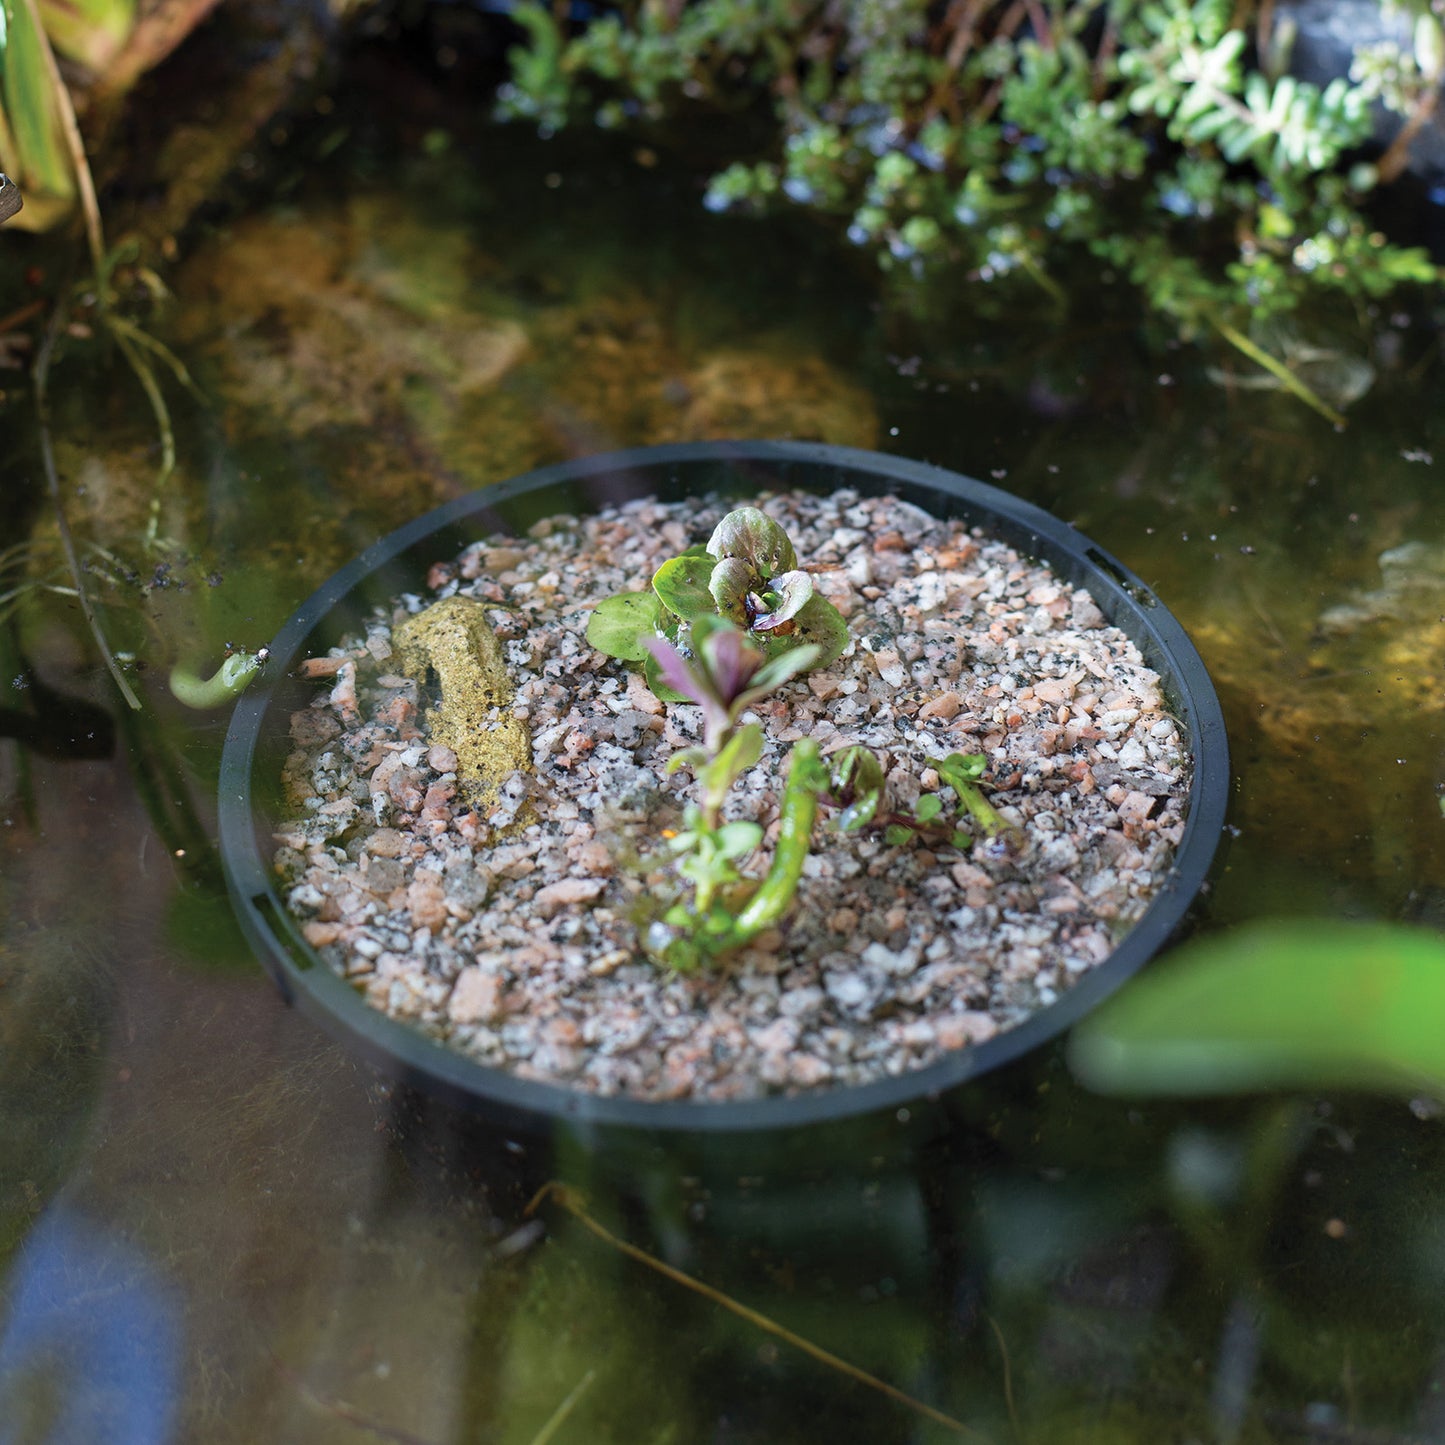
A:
<point x="145" y="374"/>
<point x="36" y="149"/>
<point x="159" y="349"/>
<point x="569" y="1200"/>
<point x="70" y="131"/>
<point x="558" y="1417"/>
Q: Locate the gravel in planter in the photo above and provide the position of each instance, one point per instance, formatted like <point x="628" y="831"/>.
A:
<point x="510" y="929"/>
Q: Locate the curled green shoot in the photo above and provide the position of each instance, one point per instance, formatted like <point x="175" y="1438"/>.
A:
<point x="687" y="936"/>
<point x="961" y="772"/>
<point x="229" y="681"/>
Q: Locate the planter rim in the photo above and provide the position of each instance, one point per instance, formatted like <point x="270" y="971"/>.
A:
<point x="412" y="1057"/>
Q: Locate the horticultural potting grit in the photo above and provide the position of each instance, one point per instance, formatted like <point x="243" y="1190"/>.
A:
<point x="502" y="913"/>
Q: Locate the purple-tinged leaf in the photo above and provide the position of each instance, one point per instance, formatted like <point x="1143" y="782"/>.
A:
<point x="793" y="589"/>
<point x="727" y="658"/>
<point x="677" y="672"/>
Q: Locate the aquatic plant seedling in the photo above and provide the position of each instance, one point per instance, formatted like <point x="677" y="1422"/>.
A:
<point x="747" y="574"/>
<point x="723" y="626"/>
<point x="229" y="681"/>
<point x="725" y="676"/>
<point x="856" y="788"/>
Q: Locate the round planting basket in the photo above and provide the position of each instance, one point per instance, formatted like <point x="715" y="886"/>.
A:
<point x="258" y="742"/>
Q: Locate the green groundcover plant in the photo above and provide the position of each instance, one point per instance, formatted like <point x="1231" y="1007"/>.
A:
<point x="1166" y="139"/>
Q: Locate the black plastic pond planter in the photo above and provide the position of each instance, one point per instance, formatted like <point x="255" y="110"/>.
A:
<point x="258" y="742"/>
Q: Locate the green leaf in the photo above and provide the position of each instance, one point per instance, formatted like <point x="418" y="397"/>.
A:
<point x="731" y="581"/>
<point x="652" y="675"/>
<point x="895" y="835"/>
<point x="959" y="768"/>
<point x="1278" y="1005"/>
<point x="734" y="758"/>
<point x="820" y="625"/>
<point x="619" y="623"/>
<point x="855" y="778"/>
<point x="750" y="534"/>
<point x="681" y="583"/>
<point x="930" y="805"/>
<point x="780" y="668"/>
<point x="32" y="131"/>
<point x="736" y="840"/>
<point x="693" y="758"/>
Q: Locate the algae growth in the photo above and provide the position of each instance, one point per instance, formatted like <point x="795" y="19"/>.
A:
<point x="455" y="659"/>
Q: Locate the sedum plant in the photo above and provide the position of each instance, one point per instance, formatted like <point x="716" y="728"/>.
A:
<point x="1165" y="139"/>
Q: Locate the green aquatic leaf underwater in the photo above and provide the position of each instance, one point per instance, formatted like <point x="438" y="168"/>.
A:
<point x="619" y="624"/>
<point x="1278" y="1005"/>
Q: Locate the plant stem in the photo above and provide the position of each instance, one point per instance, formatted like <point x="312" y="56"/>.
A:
<point x="981" y="810"/>
<point x="795" y="832"/>
<point x="62" y="524"/>
<point x="229" y="681"/>
<point x="1277" y="369"/>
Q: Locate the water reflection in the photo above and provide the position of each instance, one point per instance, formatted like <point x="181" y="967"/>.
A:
<point x="91" y="1343"/>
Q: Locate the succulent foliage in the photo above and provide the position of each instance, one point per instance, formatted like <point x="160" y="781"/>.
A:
<point x="746" y="574"/>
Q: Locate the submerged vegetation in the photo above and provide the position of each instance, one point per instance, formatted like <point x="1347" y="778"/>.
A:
<point x="724" y="626"/>
<point x="1165" y="139"/>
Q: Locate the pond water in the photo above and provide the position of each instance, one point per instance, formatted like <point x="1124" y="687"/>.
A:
<point x="215" y="1226"/>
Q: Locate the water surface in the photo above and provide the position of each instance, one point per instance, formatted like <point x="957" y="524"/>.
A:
<point x="215" y="1226"/>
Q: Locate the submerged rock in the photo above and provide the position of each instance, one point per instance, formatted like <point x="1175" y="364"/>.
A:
<point x="1412" y="589"/>
<point x="454" y="657"/>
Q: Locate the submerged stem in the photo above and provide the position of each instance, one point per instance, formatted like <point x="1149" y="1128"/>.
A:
<point x="568" y="1199"/>
<point x="62" y="524"/>
<point x="1278" y="370"/>
<point x="229" y="681"/>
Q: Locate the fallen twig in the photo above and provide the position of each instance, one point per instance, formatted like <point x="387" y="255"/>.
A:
<point x="569" y="1200"/>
